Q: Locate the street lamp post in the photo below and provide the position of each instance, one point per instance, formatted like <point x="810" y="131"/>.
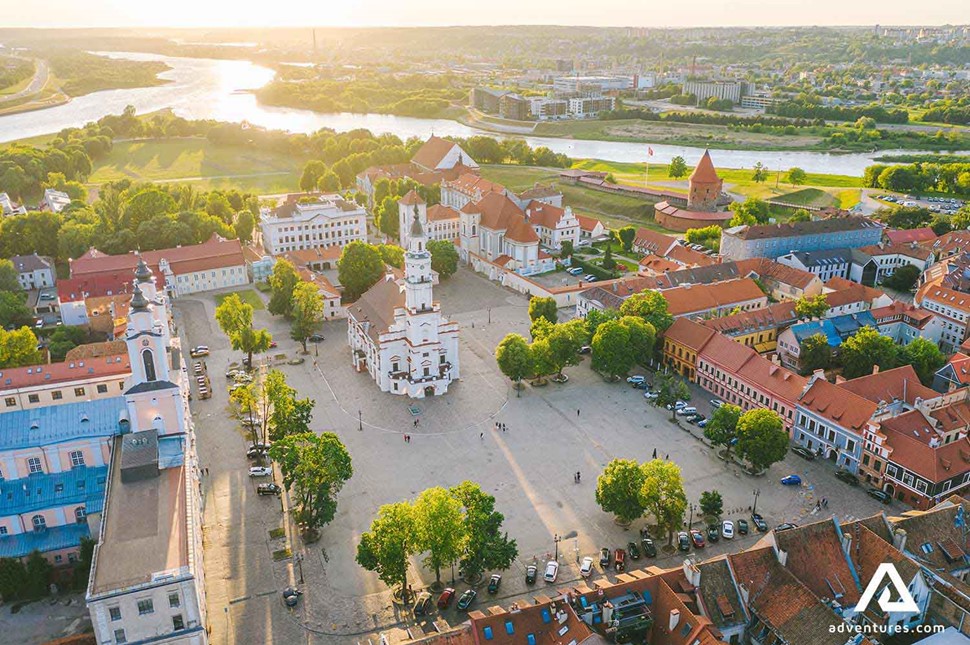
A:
<point x="690" y="521"/>
<point x="299" y="561"/>
<point x="557" y="539"/>
<point x="756" y="492"/>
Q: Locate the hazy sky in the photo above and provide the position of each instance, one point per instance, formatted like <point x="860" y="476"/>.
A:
<point x="641" y="13"/>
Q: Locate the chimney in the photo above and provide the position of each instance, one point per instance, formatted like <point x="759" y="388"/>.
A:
<point x="782" y="556"/>
<point x="875" y="369"/>
<point x="692" y="573"/>
<point x="899" y="539"/>
<point x="839" y="379"/>
<point x="674" y="620"/>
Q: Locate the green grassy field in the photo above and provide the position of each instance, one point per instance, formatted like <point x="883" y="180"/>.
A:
<point x="809" y="197"/>
<point x="248" y="296"/>
<point x="199" y="162"/>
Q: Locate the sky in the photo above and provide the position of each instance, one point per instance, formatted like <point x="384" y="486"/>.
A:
<point x="406" y="13"/>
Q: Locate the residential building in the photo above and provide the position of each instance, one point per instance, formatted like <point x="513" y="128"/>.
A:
<point x="54" y="200"/>
<point x="73" y="294"/>
<point x="9" y="207"/>
<point x="589" y="228"/>
<point x="725" y="90"/>
<point x="72" y="381"/>
<point x="954" y="375"/>
<point x="312" y="221"/>
<point x="847" y="297"/>
<point x="682" y="342"/>
<point x="831" y="421"/>
<point x="34" y="271"/>
<point x="466" y="188"/>
<point x="546" y="194"/>
<point x="587" y="107"/>
<point x="217" y="263"/>
<point x="836" y="330"/>
<point x="713" y="300"/>
<point x="774" y="240"/>
<point x="546" y="108"/>
<point x="952" y="307"/>
<point x="757" y="329"/>
<point x="552" y="224"/>
<point x="782" y="282"/>
<point x="328" y="293"/>
<point x="904" y="323"/>
<point x="888" y="258"/>
<point x="650" y="242"/>
<point x="923" y="236"/>
<point x="439" y="222"/>
<point x="514" y="107"/>
<point x="437" y="154"/>
<point x="487" y="99"/>
<point x="828" y="264"/>
<point x="397" y="333"/>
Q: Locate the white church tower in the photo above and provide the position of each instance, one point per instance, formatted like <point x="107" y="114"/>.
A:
<point x="409" y="207"/>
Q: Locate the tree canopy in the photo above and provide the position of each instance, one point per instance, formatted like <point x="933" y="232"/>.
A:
<point x="360" y="267"/>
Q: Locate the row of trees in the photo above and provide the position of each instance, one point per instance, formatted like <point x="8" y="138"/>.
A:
<point x="758" y="436"/>
<point x="456" y="525"/>
<point x="951" y="178"/>
<point x="861" y="352"/>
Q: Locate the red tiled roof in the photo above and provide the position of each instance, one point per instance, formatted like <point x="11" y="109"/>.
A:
<point x="470" y="184"/>
<point x="654" y="242"/>
<point x="774" y="271"/>
<point x="440" y="212"/>
<point x="911" y="250"/>
<point x="430" y="154"/>
<point x="900" y="308"/>
<point x="668" y="209"/>
<point x="215" y="253"/>
<point x="501" y="213"/>
<point x="544" y="215"/>
<point x="305" y="257"/>
<point x="949" y="297"/>
<point x="704" y="172"/>
<point x="698" y="298"/>
<point x="896" y="384"/>
<point x="774" y="316"/>
<point x="961" y="367"/>
<point x="841" y="406"/>
<point x="412" y="198"/>
<point x="689" y="257"/>
<point x="653" y="265"/>
<point x="587" y="223"/>
<point x="688" y="333"/>
<point x="816" y="558"/>
<point x="89" y="368"/>
<point x="910" y="436"/>
<point x="77" y="289"/>
<point x="905" y="236"/>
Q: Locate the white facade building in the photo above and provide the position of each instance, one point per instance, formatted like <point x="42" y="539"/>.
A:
<point x="34" y="271"/>
<point x="8" y="207"/>
<point x="438" y="222"/>
<point x="55" y="200"/>
<point x="312" y="221"/>
<point x="397" y="333"/>
<point x="496" y="230"/>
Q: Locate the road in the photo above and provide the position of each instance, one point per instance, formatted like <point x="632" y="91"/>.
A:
<point x="41" y="74"/>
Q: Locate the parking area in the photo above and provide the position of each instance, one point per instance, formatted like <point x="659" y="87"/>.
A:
<point x="944" y="205"/>
<point x="552" y="433"/>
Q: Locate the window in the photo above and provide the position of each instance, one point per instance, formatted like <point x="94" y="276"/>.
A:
<point x="77" y="458"/>
<point x="177" y="623"/>
<point x="80" y="515"/>
<point x="149" y="362"/>
<point x="3" y="530"/>
<point x="146" y="607"/>
<point x="102" y="388"/>
<point x="488" y="633"/>
<point x="114" y="613"/>
<point x="39" y="523"/>
<point x="58" y="559"/>
<point x="57" y="395"/>
<point x="10" y="401"/>
<point x="120" y="636"/>
<point x="509" y="627"/>
<point x="173" y="600"/>
<point x="79" y="391"/>
<point x="33" y="398"/>
<point x="33" y="465"/>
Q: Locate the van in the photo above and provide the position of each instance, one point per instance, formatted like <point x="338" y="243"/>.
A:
<point x="686" y="410"/>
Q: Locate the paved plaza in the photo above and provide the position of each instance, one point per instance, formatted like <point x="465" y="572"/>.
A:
<point x="553" y="431"/>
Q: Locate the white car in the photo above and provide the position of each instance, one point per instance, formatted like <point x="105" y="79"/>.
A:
<point x="727" y="529"/>
<point x="552" y="571"/>
<point x="651" y="396"/>
<point x="586" y="568"/>
<point x="636" y="379"/>
<point x="687" y="409"/>
<point x="260" y="471"/>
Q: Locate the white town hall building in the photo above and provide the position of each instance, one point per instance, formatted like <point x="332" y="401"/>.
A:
<point x="396" y="331"/>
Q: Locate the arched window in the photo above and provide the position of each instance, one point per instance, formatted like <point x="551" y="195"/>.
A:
<point x="39" y="522"/>
<point x="149" y="360"/>
<point x="80" y="515"/>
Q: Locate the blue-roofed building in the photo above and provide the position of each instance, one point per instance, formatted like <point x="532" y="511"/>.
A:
<point x="58" y="424"/>
<point x="835" y="330"/>
<point x="51" y="512"/>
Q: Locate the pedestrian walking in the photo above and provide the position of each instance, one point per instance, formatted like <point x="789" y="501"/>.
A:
<point x="818" y="505"/>
<point x="825" y="502"/>
<point x="504" y="427"/>
<point x="577" y="412"/>
<point x="654" y="453"/>
<point x="667" y="457"/>
<point x="579" y="477"/>
<point x="481" y="436"/>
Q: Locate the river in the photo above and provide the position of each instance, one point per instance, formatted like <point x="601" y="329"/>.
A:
<point x="218" y="89"/>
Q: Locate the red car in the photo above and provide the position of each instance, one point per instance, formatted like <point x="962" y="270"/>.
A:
<point x="444" y="600"/>
<point x="272" y="344"/>
<point x="697" y="538"/>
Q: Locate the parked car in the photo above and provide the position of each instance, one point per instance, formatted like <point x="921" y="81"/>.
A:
<point x="585" y="349"/>
<point x="702" y="423"/>
<point x="713" y="533"/>
<point x="683" y="541"/>
<point x="791" y="480"/>
<point x="847" y="477"/>
<point x="727" y="529"/>
<point x="605" y="558"/>
<point x="574" y="270"/>
<point x="255" y="453"/>
<point x="619" y="560"/>
<point x="686" y="410"/>
<point x="272" y="344"/>
<point x="803" y="452"/>
<point x="260" y="471"/>
<point x="633" y="550"/>
<point x="636" y="379"/>
<point x="552" y="571"/>
<point x="201" y="350"/>
<point x="882" y="496"/>
<point x="261" y="446"/>
<point x="716" y="403"/>
<point x="269" y="489"/>
<point x="467" y="599"/>
<point x="589" y="277"/>
<point x="649" y="549"/>
<point x="316" y="338"/>
<point x="759" y="523"/>
<point x="651" y="396"/>
<point x="531" y="572"/>
<point x="742" y="527"/>
<point x="697" y="538"/>
<point x="642" y="385"/>
<point x="586" y="568"/>
<point x="444" y="600"/>
<point x="784" y="526"/>
<point x="494" y="583"/>
<point x="422" y="605"/>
